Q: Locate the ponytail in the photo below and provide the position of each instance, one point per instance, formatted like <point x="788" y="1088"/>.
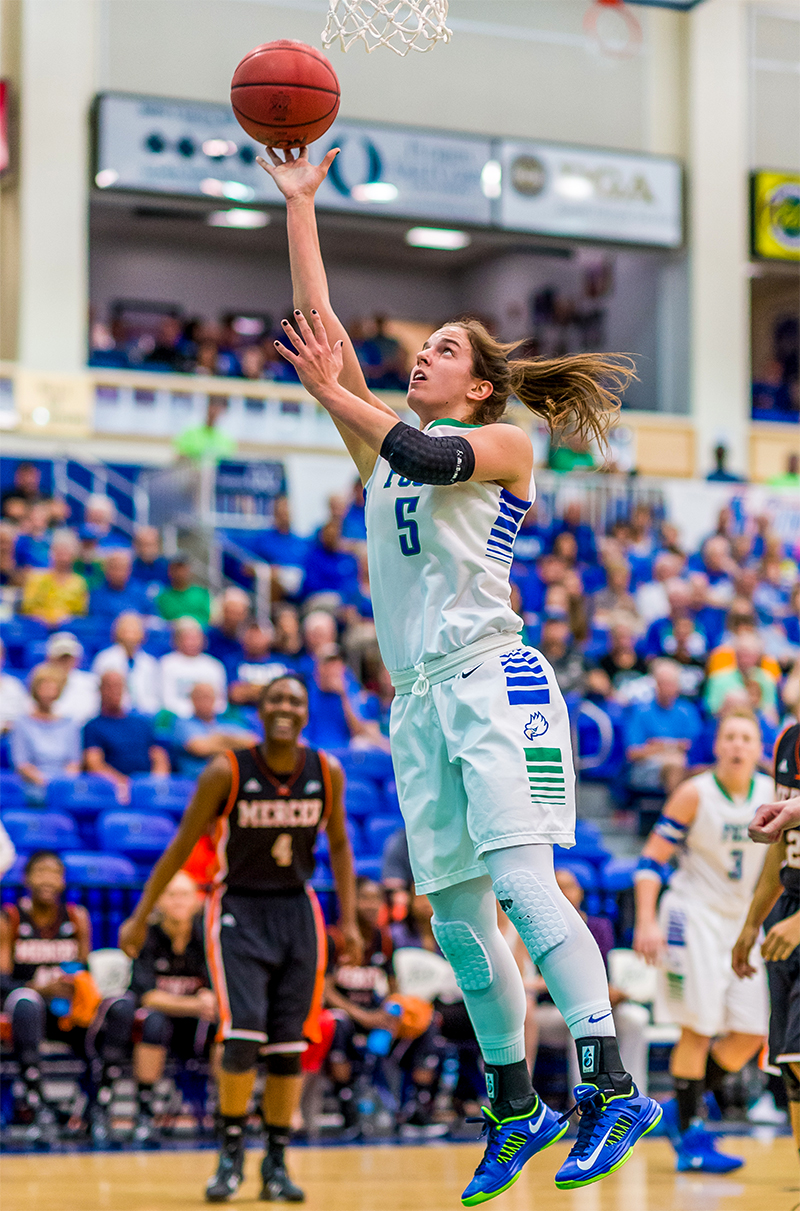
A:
<point x="578" y="394"/>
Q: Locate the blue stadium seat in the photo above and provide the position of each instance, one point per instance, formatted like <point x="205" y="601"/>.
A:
<point x="87" y="790"/>
<point x="14" y="876"/>
<point x="137" y="835"/>
<point x="12" y="791"/>
<point x="31" y="829"/>
<point x="153" y="793"/>
<point x="17" y="636"/>
<point x="99" y="870"/>
<point x="357" y="841"/>
<point x="158" y="643"/>
<point x="377" y="831"/>
<point x="392" y="800"/>
<point x="369" y="868"/>
<point x="322" y="849"/>
<point x="362" y="799"/>
<point x="366" y="765"/>
<point x="617" y="875"/>
<point x="93" y="634"/>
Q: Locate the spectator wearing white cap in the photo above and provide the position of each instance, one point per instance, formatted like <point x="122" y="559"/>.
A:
<point x="186" y="666"/>
<point x="141" y="671"/>
<point x="79" y="699"/>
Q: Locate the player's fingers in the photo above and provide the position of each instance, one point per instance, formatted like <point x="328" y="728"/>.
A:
<point x="306" y="331"/>
<point x="273" y="155"/>
<point x="284" y="352"/>
<point x="330" y="157"/>
<point x="296" y="340"/>
<point x="303" y="154"/>
<point x="319" y="328"/>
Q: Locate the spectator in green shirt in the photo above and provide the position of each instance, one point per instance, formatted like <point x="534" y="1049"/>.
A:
<point x="206" y="443"/>
<point x="183" y="599"/>
<point x="790" y="477"/>
<point x="571" y="455"/>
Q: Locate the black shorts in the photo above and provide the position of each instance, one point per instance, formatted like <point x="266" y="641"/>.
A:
<point x="266" y="955"/>
<point x="184" y="1038"/>
<point x="784" y="993"/>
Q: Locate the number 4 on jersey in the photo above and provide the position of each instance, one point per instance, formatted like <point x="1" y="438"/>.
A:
<point x="408" y="530"/>
<point x="282" y="850"/>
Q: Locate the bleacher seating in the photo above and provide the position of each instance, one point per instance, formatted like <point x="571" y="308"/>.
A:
<point x="31" y="829"/>
<point x="160" y="794"/>
<point x="140" y="836"/>
<point x="12" y="790"/>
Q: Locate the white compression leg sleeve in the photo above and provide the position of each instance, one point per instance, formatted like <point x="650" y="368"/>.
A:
<point x="465" y="926"/>
<point x="555" y="935"/>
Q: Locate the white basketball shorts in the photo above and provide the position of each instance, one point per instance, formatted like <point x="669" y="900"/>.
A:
<point x="697" y="986"/>
<point x="483" y="761"/>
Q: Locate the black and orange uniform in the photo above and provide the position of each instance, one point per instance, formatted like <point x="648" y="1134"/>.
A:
<point x="784" y="976"/>
<point x="265" y="933"/>
<point x="39" y="955"/>
<point x="160" y="967"/>
<point x="366" y="984"/>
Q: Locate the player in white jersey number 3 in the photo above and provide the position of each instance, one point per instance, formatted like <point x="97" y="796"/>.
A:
<point x="723" y="1019"/>
<point x="480" y="735"/>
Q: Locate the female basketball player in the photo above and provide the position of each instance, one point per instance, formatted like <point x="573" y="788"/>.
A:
<point x="480" y="735"/>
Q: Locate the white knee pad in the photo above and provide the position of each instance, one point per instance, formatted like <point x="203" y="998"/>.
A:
<point x="532" y="910"/>
<point x="465" y="953"/>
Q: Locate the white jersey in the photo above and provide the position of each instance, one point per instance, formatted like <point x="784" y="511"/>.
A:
<point x="439" y="559"/>
<point x="718" y="863"/>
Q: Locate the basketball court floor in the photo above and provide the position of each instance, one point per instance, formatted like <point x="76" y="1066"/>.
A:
<point x="402" y="1179"/>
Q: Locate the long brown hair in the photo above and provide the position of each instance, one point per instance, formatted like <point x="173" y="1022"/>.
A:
<point x="579" y="393"/>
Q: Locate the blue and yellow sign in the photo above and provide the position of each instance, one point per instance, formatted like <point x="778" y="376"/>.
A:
<point x="776" y="215"/>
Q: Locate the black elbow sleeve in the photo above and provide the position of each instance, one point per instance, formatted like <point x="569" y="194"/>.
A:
<point x="427" y="460"/>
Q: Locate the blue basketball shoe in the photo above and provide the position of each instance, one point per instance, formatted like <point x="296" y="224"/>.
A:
<point x="697" y="1153"/>
<point x="610" y="1124"/>
<point x="511" y="1142"/>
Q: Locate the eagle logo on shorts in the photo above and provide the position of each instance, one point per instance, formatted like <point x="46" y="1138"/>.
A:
<point x="537" y="725"/>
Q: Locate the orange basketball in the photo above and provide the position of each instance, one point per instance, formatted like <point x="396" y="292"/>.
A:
<point x="285" y="94"/>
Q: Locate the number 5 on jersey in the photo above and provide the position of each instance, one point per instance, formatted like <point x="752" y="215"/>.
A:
<point x="408" y="530"/>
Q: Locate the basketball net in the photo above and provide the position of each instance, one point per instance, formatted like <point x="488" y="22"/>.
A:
<point x="402" y="25"/>
<point x="598" y="29"/>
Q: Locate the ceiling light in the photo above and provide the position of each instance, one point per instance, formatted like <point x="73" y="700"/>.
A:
<point x="238" y="218"/>
<point x="437" y="237"/>
<point x="40" y="416"/>
<point x="374" y="191"/>
<point x="573" y="186"/>
<point x="492" y="179"/>
<point x="234" y="190"/>
<point x="218" y="148"/>
<point x="106" y="177"/>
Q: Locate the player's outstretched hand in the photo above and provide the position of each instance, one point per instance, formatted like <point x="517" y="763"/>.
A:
<point x="772" y="819"/>
<point x="295" y="175"/>
<point x="782" y="939"/>
<point x="648" y="942"/>
<point x="316" y="363"/>
<point x="740" y="957"/>
<point x="131" y="938"/>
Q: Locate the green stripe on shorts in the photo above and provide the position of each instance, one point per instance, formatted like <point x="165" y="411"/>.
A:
<point x="546" y="775"/>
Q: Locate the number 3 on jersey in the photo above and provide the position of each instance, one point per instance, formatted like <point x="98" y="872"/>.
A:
<point x="408" y="530"/>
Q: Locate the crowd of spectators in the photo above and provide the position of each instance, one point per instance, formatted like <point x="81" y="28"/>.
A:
<point x="237" y="347"/>
<point x="649" y="642"/>
<point x="123" y="665"/>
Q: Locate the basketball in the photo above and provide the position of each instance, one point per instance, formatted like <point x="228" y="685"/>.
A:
<point x="285" y="94"/>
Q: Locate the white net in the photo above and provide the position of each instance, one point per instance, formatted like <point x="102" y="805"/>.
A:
<point x="402" y="25"/>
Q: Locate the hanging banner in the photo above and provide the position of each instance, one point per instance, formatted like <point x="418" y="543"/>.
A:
<point x="776" y="215"/>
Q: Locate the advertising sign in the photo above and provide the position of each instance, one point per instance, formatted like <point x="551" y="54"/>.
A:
<point x="173" y="147"/>
<point x="776" y="215"/>
<point x="589" y="194"/>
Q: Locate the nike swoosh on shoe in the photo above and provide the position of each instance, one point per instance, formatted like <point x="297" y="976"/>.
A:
<point x="590" y="1160"/>
<point x="534" y="1127"/>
